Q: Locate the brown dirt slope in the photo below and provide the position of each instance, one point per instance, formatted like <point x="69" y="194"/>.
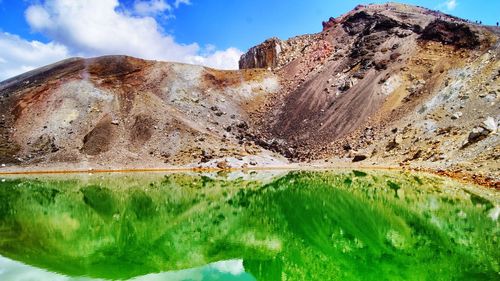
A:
<point x="122" y="111"/>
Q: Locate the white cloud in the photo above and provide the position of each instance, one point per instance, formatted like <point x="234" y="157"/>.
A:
<point x="102" y="27"/>
<point x="19" y="55"/>
<point x="179" y="2"/>
<point x="449" y="5"/>
<point x="153" y="7"/>
<point x="38" y="17"/>
<point x="95" y="27"/>
<point x="234" y="267"/>
<point x="227" y="59"/>
<point x="14" y="270"/>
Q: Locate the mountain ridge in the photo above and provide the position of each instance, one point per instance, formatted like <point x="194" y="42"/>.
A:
<point x="386" y="84"/>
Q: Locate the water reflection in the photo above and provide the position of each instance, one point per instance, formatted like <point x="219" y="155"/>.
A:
<point x="337" y="225"/>
<point x="223" y="270"/>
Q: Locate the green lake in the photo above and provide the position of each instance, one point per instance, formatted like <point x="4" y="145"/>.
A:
<point x="266" y="225"/>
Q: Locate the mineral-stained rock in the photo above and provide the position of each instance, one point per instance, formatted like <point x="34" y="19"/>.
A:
<point x="452" y="33"/>
<point x="264" y="55"/>
<point x="329" y="24"/>
<point x="364" y="23"/>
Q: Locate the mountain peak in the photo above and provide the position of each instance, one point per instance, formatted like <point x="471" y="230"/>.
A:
<point x="394" y="17"/>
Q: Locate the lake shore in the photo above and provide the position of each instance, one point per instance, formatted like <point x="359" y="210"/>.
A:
<point x="475" y="177"/>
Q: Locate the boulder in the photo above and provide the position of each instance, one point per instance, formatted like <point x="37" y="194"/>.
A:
<point x="359" y="158"/>
<point x="490" y="124"/>
<point x="456" y="115"/>
<point x="224" y="165"/>
<point x="477" y="134"/>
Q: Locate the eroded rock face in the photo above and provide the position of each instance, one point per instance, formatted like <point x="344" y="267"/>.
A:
<point x="264" y="55"/>
<point x="364" y="23"/>
<point x="451" y="33"/>
<point x="329" y="24"/>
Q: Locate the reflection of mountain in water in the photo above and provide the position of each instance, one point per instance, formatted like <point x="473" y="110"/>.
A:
<point x="305" y="226"/>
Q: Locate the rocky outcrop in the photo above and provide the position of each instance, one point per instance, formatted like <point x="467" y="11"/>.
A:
<point x="264" y="55"/>
<point x="451" y="33"/>
<point x="329" y="24"/>
<point x="364" y="23"/>
<point x="275" y="53"/>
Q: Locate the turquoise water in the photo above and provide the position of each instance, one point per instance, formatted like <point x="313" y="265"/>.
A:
<point x="299" y="225"/>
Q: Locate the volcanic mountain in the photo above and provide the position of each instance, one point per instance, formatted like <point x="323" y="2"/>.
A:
<point x="387" y="84"/>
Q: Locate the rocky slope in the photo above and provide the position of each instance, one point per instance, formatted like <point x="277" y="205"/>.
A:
<point x="124" y="112"/>
<point x="388" y="83"/>
<point x="382" y="84"/>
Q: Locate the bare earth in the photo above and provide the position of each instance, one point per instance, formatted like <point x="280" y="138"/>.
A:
<point x="384" y="85"/>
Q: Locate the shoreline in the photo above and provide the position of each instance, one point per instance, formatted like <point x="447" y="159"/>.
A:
<point x="465" y="177"/>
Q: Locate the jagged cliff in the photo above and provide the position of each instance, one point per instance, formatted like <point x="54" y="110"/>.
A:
<point x="388" y="83"/>
<point x="263" y="56"/>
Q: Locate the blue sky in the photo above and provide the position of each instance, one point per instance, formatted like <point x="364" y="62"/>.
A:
<point x="214" y="33"/>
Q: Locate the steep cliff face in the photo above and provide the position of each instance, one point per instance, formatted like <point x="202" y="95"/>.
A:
<point x="452" y="33"/>
<point x="264" y="55"/>
<point x="275" y="53"/>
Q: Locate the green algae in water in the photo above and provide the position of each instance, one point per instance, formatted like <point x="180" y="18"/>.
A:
<point x="336" y="225"/>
